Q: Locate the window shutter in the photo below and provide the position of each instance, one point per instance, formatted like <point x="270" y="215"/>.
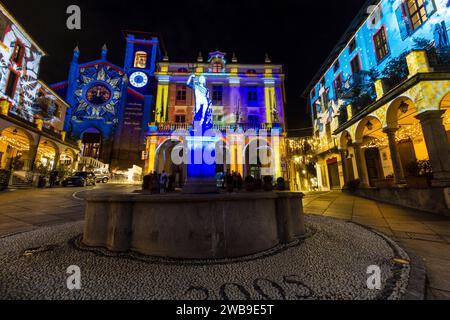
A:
<point x="430" y="7"/>
<point x="403" y="21"/>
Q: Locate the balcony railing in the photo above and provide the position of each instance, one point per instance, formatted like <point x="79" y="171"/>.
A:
<point x="439" y="59"/>
<point x="392" y="81"/>
<point x="395" y="73"/>
<point x="172" y="127"/>
<point x="343" y="116"/>
<point x="355" y="85"/>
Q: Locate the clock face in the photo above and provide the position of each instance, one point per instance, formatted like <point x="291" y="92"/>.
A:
<point x="98" y="95"/>
<point x="139" y="79"/>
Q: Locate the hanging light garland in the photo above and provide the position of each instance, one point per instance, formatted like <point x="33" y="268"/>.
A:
<point x="404" y="133"/>
<point x="15" y="143"/>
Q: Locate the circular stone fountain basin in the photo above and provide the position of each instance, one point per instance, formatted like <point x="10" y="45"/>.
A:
<point x="179" y="226"/>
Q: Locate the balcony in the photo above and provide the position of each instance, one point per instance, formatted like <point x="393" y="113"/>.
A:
<point x="439" y="59"/>
<point x="354" y="85"/>
<point x="169" y="128"/>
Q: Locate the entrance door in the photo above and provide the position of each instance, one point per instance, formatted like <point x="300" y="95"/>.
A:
<point x="92" y="142"/>
<point x="333" y="174"/>
<point x="407" y="154"/>
<point x="373" y="162"/>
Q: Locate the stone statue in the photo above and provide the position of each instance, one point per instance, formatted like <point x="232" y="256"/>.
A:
<point x="203" y="103"/>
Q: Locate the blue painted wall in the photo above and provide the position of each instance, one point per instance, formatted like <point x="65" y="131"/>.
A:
<point x="400" y="36"/>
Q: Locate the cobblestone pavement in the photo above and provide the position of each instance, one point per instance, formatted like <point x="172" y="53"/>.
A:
<point x="330" y="263"/>
<point x="27" y="210"/>
<point x="426" y="234"/>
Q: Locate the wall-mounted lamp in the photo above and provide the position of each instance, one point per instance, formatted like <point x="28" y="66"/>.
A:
<point x="369" y="125"/>
<point x="403" y="107"/>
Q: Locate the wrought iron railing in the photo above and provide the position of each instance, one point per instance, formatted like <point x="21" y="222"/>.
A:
<point x="439" y="59"/>
<point x="392" y="81"/>
<point x="354" y="85"/>
<point x="172" y="127"/>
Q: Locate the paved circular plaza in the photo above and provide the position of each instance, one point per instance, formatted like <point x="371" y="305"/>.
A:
<point x="330" y="263"/>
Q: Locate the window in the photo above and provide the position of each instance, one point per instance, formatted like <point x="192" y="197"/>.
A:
<point x="181" y="95"/>
<point x="251" y="72"/>
<point x="381" y="45"/>
<point x="336" y="66"/>
<point x="217" y="67"/>
<point x="338" y="84"/>
<point x="217" y="95"/>
<point x="180" y="119"/>
<point x="417" y="13"/>
<point x="18" y="54"/>
<point x="352" y="45"/>
<point x="140" y="60"/>
<point x="355" y="65"/>
<point x="11" y="85"/>
<point x="315" y="110"/>
<point x="252" y="97"/>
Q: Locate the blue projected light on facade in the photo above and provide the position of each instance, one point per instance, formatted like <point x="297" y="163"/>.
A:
<point x="377" y="46"/>
<point x="115" y="101"/>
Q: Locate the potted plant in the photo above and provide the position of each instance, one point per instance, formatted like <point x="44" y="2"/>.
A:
<point x="250" y="185"/>
<point x="419" y="174"/>
<point x="387" y="182"/>
<point x="268" y="183"/>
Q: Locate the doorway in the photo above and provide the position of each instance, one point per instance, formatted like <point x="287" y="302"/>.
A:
<point x="373" y="163"/>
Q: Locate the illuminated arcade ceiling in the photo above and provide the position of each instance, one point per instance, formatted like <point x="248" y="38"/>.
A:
<point x="16" y="139"/>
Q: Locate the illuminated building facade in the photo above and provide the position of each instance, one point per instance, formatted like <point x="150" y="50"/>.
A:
<point x="32" y="135"/>
<point x="245" y="97"/>
<point x="111" y="106"/>
<point x="380" y="104"/>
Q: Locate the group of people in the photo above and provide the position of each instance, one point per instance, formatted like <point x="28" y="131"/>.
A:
<point x="159" y="183"/>
<point x="233" y="181"/>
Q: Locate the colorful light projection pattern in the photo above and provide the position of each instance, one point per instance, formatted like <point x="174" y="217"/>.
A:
<point x="27" y="87"/>
<point x="99" y="93"/>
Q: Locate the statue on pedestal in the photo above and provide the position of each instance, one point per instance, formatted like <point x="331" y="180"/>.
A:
<point x="203" y="104"/>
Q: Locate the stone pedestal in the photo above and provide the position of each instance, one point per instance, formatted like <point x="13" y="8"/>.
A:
<point x="201" y="168"/>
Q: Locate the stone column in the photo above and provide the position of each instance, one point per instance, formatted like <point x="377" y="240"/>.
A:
<point x="437" y="145"/>
<point x="343" y="153"/>
<point x="56" y="161"/>
<point x="399" y="176"/>
<point x="32" y="154"/>
<point x="361" y="165"/>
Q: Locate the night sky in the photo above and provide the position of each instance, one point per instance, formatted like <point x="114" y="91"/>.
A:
<point x="296" y="33"/>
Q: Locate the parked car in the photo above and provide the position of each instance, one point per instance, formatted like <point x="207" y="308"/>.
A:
<point x="102" y="176"/>
<point x="80" y="179"/>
